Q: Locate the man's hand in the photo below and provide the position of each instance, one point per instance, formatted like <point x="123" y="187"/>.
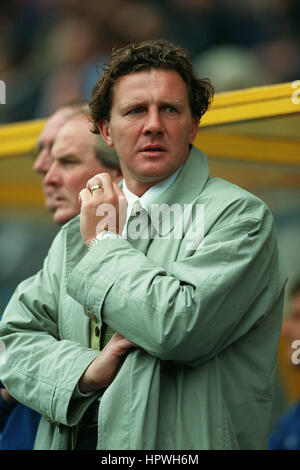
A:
<point x="102" y="371"/>
<point x="101" y="209"/>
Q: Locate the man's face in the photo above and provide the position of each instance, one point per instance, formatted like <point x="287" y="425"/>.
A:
<point x="291" y="326"/>
<point x="45" y="142"/>
<point x="151" y="126"/>
<point x="73" y="163"/>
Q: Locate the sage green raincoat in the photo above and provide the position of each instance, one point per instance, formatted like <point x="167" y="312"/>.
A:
<point x="207" y="322"/>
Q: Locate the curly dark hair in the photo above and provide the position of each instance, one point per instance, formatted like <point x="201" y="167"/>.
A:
<point x="146" y="55"/>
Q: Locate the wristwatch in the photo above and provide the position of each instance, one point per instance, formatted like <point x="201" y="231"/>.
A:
<point x="102" y="236"/>
<point x="92" y="243"/>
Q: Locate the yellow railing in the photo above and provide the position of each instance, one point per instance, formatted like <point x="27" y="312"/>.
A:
<point x="261" y="105"/>
<point x="19" y="138"/>
<point x="256" y="125"/>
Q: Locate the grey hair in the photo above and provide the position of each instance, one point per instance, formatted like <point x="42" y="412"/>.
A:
<point x="105" y="154"/>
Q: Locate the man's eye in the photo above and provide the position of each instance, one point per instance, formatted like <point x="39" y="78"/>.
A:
<point x="67" y="162"/>
<point x="170" y="109"/>
<point x="135" y="111"/>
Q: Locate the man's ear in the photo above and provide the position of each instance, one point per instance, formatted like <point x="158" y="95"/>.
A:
<point x="103" y="126"/>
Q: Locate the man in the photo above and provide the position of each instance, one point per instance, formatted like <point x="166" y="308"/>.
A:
<point x="76" y="157"/>
<point x="19" y="423"/>
<point x="286" y="436"/>
<point x="44" y="145"/>
<point x="70" y="175"/>
<point x="197" y="318"/>
<point x="69" y="154"/>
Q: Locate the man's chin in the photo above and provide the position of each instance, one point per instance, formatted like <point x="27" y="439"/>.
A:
<point x="157" y="170"/>
<point x="61" y="217"/>
<point x="154" y="176"/>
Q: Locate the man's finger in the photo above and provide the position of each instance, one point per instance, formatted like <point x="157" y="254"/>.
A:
<point x="84" y="196"/>
<point x="93" y="181"/>
<point x="102" y="179"/>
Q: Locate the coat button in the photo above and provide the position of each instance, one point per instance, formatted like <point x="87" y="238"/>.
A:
<point x="97" y="331"/>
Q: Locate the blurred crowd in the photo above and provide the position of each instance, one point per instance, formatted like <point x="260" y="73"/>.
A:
<point x="52" y="51"/>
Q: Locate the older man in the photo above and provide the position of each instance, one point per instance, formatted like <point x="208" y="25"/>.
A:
<point x="68" y="155"/>
<point x="44" y="145"/>
<point x="197" y="311"/>
<point x="76" y="157"/>
<point x="90" y="155"/>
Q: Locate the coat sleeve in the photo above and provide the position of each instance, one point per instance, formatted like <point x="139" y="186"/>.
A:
<point x="190" y="314"/>
<point x="39" y="368"/>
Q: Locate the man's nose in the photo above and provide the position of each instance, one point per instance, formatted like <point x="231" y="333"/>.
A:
<point x="43" y="162"/>
<point x="153" y="123"/>
<point x="53" y="176"/>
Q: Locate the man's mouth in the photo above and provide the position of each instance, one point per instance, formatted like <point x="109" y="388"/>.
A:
<point x="153" y="150"/>
<point x="58" y="199"/>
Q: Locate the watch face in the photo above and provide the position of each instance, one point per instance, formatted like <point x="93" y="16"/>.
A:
<point x="107" y="234"/>
<point x="92" y="243"/>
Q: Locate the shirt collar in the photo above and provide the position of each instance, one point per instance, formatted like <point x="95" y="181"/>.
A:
<point x="151" y="194"/>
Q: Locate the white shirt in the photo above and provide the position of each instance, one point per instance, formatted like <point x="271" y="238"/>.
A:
<point x="148" y="197"/>
<point x="134" y="203"/>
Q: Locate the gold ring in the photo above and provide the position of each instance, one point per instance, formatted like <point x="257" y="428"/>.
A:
<point x="96" y="186"/>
